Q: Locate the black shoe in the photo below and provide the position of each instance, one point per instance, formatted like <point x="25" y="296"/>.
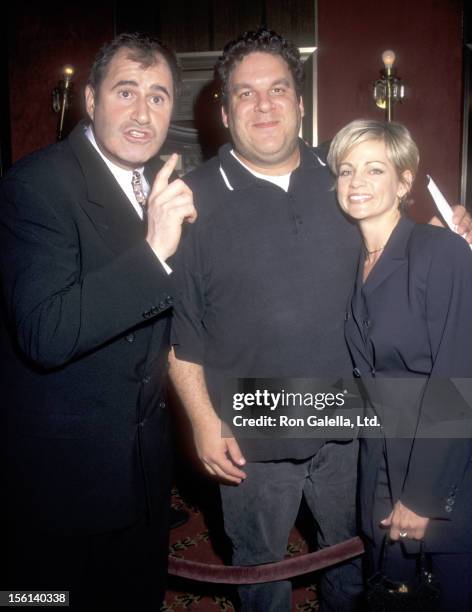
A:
<point x="178" y="518"/>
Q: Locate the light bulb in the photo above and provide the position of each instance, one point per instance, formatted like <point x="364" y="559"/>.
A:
<point x="68" y="73"/>
<point x="388" y="58"/>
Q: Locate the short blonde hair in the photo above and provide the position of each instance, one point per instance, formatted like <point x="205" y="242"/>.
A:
<point x="402" y="151"/>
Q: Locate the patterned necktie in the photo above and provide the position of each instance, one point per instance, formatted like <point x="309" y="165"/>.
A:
<point x="138" y="190"/>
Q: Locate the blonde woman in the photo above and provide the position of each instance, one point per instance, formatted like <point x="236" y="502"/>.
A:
<point x="409" y="330"/>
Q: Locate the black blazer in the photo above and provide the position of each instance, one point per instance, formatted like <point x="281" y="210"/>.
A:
<point x="84" y="349"/>
<point x="409" y="331"/>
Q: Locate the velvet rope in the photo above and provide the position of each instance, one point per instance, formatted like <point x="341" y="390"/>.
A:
<point x="268" y="572"/>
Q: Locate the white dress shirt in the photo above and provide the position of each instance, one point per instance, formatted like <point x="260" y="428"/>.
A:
<point x="123" y="178"/>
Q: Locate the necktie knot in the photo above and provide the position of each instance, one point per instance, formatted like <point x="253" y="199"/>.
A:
<point x="138" y="189"/>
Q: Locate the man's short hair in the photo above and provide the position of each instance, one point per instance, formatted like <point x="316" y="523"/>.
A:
<point x="260" y="41"/>
<point x="145" y="50"/>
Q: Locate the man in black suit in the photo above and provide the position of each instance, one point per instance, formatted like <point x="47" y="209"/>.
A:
<point x="87" y="298"/>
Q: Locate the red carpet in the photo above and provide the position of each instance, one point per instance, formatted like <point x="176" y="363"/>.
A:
<point x="202" y="539"/>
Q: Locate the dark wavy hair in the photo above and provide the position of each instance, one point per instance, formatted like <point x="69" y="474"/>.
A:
<point x="260" y="41"/>
<point x="145" y="50"/>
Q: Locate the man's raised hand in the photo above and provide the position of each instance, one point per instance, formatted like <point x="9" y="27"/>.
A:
<point x="169" y="205"/>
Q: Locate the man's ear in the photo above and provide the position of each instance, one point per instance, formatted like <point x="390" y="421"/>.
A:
<point x="224" y="116"/>
<point x="301" y="107"/>
<point x="90" y="101"/>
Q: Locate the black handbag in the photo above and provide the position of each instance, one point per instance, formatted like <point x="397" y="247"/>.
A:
<point x="419" y="594"/>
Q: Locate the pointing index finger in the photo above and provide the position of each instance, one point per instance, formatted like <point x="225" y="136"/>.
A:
<point x="162" y="178"/>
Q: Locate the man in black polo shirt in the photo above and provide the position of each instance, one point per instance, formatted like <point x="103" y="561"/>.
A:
<point x="265" y="275"/>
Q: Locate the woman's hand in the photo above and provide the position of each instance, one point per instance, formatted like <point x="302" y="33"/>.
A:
<point x="404" y="521"/>
<point x="463" y="221"/>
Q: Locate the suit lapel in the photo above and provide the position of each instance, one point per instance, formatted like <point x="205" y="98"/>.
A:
<point x="359" y="315"/>
<point x="393" y="257"/>
<point x="106" y="205"/>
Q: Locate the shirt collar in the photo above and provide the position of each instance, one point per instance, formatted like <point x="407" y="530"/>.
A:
<point x="122" y="176"/>
<point x="116" y="170"/>
<point x="236" y="176"/>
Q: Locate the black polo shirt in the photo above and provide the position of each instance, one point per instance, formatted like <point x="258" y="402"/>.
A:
<point x="264" y="277"/>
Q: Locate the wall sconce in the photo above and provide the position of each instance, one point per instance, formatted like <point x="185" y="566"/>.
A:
<point x="61" y="97"/>
<point x="388" y="90"/>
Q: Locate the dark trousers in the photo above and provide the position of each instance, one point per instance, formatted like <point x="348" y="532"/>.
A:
<point x="120" y="570"/>
<point x="260" y="512"/>
<point x="453" y="571"/>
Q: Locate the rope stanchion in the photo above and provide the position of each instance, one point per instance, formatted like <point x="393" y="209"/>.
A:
<point x="268" y="572"/>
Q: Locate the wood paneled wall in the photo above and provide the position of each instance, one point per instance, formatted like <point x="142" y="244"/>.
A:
<point x="208" y="25"/>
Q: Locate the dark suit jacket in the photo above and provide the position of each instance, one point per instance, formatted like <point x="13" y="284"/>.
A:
<point x="409" y="331"/>
<point x="84" y="351"/>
